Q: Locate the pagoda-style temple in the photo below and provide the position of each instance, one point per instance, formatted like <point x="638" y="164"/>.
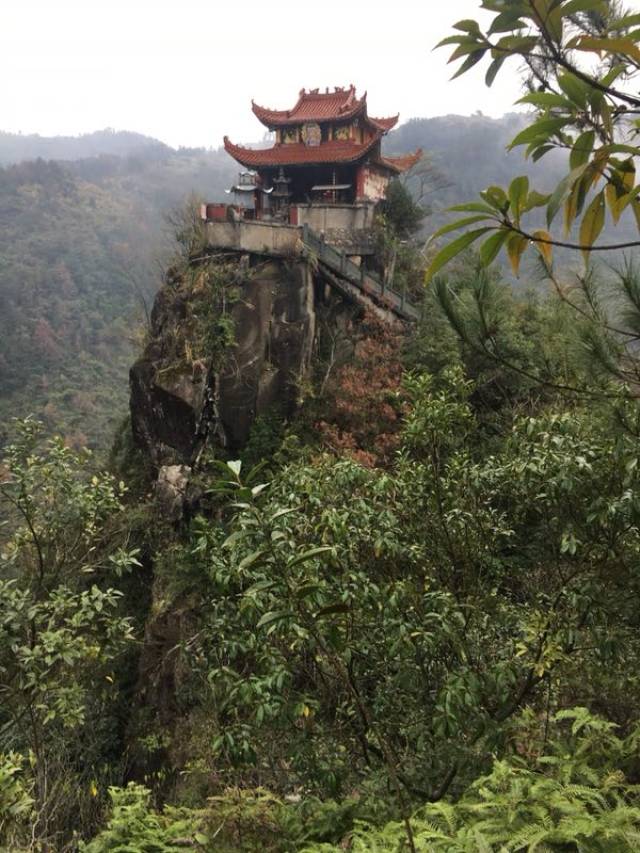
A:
<point x="326" y="166"/>
<point x="311" y="199"/>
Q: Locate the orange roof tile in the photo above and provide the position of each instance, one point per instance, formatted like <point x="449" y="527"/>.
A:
<point x="385" y="123"/>
<point x="403" y="163"/>
<point x="314" y="106"/>
<point x="298" y="154"/>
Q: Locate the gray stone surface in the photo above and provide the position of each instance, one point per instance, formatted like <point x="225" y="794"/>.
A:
<point x="173" y="408"/>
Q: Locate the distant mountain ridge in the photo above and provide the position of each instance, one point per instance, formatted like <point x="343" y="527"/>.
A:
<point x="18" y="147"/>
<point x="472" y="153"/>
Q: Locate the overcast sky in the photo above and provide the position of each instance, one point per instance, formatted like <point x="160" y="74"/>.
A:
<point x="185" y="71"/>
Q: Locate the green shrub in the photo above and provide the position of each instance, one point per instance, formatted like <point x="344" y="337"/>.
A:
<point x="135" y="828"/>
<point x="15" y="800"/>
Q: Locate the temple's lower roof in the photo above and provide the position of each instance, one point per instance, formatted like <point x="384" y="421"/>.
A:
<point x="299" y="154"/>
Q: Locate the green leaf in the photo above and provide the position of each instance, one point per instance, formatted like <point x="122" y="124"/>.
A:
<point x="575" y="6"/>
<point x="308" y="555"/>
<point x="575" y="89"/>
<point x="561" y="192"/>
<point x="517" y="44"/>
<point x="274" y="616"/>
<point x="306" y="590"/>
<point x="582" y="149"/>
<point x="535" y="199"/>
<point x="470" y="61"/>
<point x="496" y="197"/>
<point x="261" y="586"/>
<point x="518" y="191"/>
<point x="252" y="558"/>
<point x="492" y="245"/>
<point x="452" y="249"/>
<point x="612" y="75"/>
<point x="539" y="153"/>
<point x="544" y="99"/>
<point x="467" y="25"/>
<point x="575" y="202"/>
<point x="619" y="148"/>
<point x="282" y="512"/>
<point x="554" y="23"/>
<point x="460" y="223"/>
<point x="464" y="48"/>
<point x="540" y="130"/>
<point x="506" y="22"/>
<point x="625" y="22"/>
<point x="493" y="69"/>
<point x="450" y="40"/>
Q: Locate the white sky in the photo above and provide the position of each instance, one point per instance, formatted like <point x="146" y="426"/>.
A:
<point x="185" y="71"/>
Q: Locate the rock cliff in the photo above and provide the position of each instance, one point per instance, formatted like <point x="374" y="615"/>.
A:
<point x="227" y="342"/>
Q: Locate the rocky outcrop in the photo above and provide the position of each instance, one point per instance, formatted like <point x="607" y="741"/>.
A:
<point x="274" y="335"/>
<point x="180" y="398"/>
<point x="171" y="490"/>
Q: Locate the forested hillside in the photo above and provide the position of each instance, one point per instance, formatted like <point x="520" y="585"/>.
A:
<point x="80" y="245"/>
<point x="470" y="153"/>
<point x="405" y="614"/>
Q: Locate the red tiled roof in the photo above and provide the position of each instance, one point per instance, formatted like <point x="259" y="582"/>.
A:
<point x="385" y="123"/>
<point x="403" y="163"/>
<point x="315" y="106"/>
<point x="298" y="154"/>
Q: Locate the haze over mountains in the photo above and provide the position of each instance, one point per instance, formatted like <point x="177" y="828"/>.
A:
<point x="83" y="223"/>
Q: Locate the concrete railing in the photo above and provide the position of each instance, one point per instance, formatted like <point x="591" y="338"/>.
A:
<point x="262" y="238"/>
<point x="366" y="282"/>
<point x="267" y="238"/>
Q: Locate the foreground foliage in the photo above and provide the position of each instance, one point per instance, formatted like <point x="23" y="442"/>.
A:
<point x="383" y="656"/>
<point x="586" y="107"/>
<point x="569" y="793"/>
<point x="61" y="632"/>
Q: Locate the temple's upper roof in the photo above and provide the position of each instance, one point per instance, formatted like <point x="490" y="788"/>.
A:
<point x="340" y="104"/>
<point x="297" y="153"/>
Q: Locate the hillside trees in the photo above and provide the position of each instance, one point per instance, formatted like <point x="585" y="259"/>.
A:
<point x="386" y="627"/>
<point x="79" y="244"/>
<point x="62" y="546"/>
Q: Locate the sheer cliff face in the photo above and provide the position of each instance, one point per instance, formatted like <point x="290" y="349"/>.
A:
<point x="182" y="396"/>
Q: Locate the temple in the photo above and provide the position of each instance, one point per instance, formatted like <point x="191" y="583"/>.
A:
<point x="326" y="156"/>
<point x="311" y="199"/>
